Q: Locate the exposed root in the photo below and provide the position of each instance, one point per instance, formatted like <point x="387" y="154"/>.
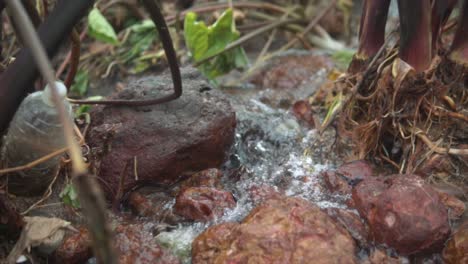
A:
<point x="395" y="113"/>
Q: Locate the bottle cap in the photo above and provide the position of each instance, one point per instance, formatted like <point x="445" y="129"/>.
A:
<point x="47" y="93"/>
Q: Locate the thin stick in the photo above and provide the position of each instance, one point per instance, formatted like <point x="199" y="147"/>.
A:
<point x="309" y="27"/>
<point x="35" y="162"/>
<point x="74" y="58"/>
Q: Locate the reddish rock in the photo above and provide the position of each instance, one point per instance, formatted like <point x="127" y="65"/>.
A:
<point x="303" y="111"/>
<point x="352" y="222"/>
<point x="203" y="203"/>
<point x="135" y="244"/>
<point x="260" y="193"/>
<point x="342" y="179"/>
<point x="160" y="142"/>
<point x="206" y="178"/>
<point x="75" y="249"/>
<point x="456" y="250"/>
<point x="288" y="230"/>
<point x="149" y="206"/>
<point x="290" y="70"/>
<point x="403" y="212"/>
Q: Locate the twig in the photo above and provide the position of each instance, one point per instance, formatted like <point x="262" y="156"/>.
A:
<point x="74" y="58"/>
<point x="213" y="7"/>
<point x="44" y="197"/>
<point x="34" y="163"/>
<point x="310" y="26"/>
<point x="68" y="57"/>
<point x="90" y="195"/>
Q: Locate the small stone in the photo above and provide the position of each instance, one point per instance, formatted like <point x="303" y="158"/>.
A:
<point x="75" y="249"/>
<point x="346" y="176"/>
<point x="203" y="203"/>
<point x="456" y="250"/>
<point x="403" y="212"/>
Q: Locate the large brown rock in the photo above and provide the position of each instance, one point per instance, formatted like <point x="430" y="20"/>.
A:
<point x="403" y="212"/>
<point x="456" y="250"/>
<point x="136" y="145"/>
<point x="288" y="230"/>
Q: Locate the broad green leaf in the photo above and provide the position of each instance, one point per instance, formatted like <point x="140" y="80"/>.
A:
<point x="69" y="196"/>
<point x="205" y="41"/>
<point x="80" y="84"/>
<point x="100" y="28"/>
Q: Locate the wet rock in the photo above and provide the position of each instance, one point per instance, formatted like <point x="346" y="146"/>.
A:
<point x="456" y="250"/>
<point x="153" y="205"/>
<point x="203" y="203"/>
<point x="157" y="144"/>
<point x="206" y="178"/>
<point x="403" y="212"/>
<point x="260" y="193"/>
<point x="289" y="230"/>
<point x="346" y="176"/>
<point x="135" y="244"/>
<point x="352" y="222"/>
<point x="303" y="111"/>
<point x="289" y="76"/>
<point x="75" y="249"/>
<point x="290" y="70"/>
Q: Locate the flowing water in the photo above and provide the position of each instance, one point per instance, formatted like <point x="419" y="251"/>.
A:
<point x="271" y="148"/>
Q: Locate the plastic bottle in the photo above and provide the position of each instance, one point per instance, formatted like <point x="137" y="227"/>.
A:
<point x="34" y="132"/>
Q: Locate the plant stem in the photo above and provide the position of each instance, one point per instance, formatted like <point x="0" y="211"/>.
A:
<point x="441" y="10"/>
<point x="372" y="28"/>
<point x="459" y="48"/>
<point x="415" y="33"/>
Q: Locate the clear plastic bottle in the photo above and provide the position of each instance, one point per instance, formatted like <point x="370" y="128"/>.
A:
<point x="34" y="132"/>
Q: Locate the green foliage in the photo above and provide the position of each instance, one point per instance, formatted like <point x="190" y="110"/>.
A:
<point x="80" y="84"/>
<point x="343" y="58"/>
<point x="69" y="196"/>
<point x="205" y="41"/>
<point x="100" y="28"/>
<point x="142" y="35"/>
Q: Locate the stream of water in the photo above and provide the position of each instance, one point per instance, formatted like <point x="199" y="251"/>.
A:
<point x="271" y="148"/>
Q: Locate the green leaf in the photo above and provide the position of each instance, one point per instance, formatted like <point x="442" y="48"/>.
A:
<point x="100" y="28"/>
<point x="69" y="196"/>
<point x="80" y="84"/>
<point x="343" y="58"/>
<point x="143" y="26"/>
<point x="205" y="41"/>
